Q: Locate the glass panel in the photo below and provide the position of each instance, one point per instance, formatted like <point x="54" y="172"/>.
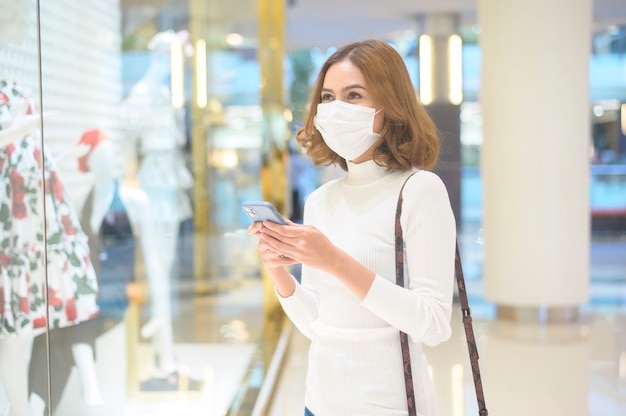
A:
<point x="152" y="128"/>
<point x="23" y="311"/>
<point x="81" y="91"/>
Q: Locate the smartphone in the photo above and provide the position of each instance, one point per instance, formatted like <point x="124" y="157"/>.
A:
<point x="262" y="211"/>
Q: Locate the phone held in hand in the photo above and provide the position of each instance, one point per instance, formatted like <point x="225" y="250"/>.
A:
<point x="262" y="211"/>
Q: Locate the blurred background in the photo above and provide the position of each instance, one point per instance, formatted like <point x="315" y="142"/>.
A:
<point x="132" y="130"/>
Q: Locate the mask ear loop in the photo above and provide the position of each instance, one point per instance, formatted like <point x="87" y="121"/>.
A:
<point x="375" y="114"/>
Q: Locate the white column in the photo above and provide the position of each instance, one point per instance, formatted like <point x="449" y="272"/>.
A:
<point x="535" y="155"/>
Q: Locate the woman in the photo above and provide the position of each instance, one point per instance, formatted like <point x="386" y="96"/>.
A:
<point x="365" y="116"/>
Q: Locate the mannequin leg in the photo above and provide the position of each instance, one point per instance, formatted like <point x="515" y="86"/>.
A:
<point x="37" y="406"/>
<point x="161" y="305"/>
<point x="158" y="245"/>
<point x="13" y="373"/>
<point x="83" y="357"/>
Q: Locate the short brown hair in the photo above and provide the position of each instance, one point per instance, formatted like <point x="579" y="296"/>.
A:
<point x="409" y="137"/>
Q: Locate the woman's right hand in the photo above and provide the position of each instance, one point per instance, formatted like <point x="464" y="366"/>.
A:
<point x="270" y="258"/>
<point x="273" y="262"/>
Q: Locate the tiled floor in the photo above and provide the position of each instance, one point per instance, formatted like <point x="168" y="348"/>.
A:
<point x="573" y="370"/>
<point x="527" y="368"/>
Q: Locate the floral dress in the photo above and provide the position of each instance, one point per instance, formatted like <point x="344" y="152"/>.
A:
<point x="68" y="283"/>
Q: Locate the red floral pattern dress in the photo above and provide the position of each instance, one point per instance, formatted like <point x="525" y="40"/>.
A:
<point x="71" y="281"/>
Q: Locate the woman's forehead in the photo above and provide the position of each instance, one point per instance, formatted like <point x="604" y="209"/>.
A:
<point x="343" y="73"/>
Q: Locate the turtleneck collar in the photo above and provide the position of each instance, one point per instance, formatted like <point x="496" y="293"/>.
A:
<point x="364" y="173"/>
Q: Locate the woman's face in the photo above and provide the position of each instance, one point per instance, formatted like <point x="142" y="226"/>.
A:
<point x="345" y="82"/>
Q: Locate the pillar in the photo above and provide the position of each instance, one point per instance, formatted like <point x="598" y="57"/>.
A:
<point x="198" y="24"/>
<point x="535" y="156"/>
<point x="441" y="93"/>
<point x="555" y="356"/>
<point x="271" y="51"/>
<point x="200" y="12"/>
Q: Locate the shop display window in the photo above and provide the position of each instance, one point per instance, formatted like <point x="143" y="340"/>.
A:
<point x="128" y="284"/>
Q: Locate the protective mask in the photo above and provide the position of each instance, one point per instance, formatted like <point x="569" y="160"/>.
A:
<point x="346" y="128"/>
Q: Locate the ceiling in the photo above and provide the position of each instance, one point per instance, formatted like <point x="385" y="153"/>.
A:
<point x="331" y="22"/>
<point x="326" y="23"/>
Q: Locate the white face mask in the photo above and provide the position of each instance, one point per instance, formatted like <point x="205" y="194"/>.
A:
<point x="346" y="128"/>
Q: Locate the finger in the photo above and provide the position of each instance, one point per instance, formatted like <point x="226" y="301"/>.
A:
<point x="282" y="232"/>
<point x="276" y="242"/>
<point x="271" y="258"/>
<point x="278" y="228"/>
<point x="268" y="254"/>
<point x="254" y="228"/>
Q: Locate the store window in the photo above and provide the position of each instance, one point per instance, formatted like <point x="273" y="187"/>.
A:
<point x="130" y="133"/>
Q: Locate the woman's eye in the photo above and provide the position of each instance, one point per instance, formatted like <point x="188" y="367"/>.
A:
<point x="326" y="98"/>
<point x="354" y="95"/>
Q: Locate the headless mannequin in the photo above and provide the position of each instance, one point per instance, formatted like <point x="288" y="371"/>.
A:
<point x="154" y="129"/>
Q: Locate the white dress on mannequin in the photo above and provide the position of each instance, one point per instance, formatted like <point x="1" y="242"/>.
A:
<point x="155" y="134"/>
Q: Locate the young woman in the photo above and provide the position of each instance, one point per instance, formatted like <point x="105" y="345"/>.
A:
<point x="366" y="117"/>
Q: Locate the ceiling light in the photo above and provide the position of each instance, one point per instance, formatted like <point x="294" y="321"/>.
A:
<point x="234" y="39"/>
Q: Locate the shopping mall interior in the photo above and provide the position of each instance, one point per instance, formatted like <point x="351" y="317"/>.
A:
<point x="132" y="130"/>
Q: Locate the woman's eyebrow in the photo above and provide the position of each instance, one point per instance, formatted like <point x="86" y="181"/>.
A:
<point x="352" y="87"/>
<point x="346" y="88"/>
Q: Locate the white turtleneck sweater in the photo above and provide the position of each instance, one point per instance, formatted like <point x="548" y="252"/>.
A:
<point x="355" y="362"/>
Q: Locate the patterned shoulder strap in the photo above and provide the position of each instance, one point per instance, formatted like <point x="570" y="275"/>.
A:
<point x="465" y="309"/>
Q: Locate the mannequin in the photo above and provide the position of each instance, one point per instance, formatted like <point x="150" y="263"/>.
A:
<point x="100" y="161"/>
<point x="13" y="374"/>
<point x="155" y="134"/>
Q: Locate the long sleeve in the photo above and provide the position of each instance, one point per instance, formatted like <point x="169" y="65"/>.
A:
<point x="423" y="311"/>
<point x="302" y="308"/>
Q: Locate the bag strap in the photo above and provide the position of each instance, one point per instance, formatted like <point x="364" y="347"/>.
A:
<point x="465" y="309"/>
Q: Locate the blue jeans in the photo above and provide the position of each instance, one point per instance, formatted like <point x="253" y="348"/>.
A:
<point x="307" y="412"/>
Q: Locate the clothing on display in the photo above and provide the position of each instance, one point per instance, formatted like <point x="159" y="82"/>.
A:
<point x="156" y="131"/>
<point x="43" y="249"/>
<point x="71" y="281"/>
